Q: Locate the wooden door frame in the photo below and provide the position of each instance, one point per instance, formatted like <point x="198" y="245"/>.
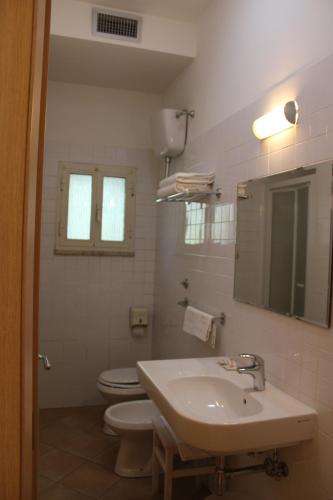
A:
<point x="24" y="33"/>
<point x="31" y="250"/>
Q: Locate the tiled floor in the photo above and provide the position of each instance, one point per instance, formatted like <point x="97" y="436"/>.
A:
<point x="77" y="459"/>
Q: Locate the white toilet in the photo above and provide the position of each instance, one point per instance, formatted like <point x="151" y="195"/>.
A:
<point x="120" y="384"/>
<point x="132" y="421"/>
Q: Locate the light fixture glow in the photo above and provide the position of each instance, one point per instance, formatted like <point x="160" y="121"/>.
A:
<point x="281" y="118"/>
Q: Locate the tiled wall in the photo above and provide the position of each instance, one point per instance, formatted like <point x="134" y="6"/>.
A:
<point x="299" y="357"/>
<point x="84" y="301"/>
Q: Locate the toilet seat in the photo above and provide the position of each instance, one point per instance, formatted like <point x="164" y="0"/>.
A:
<point x="121" y="391"/>
<point x="119" y="376"/>
<point x="120" y="381"/>
<point x="132" y="415"/>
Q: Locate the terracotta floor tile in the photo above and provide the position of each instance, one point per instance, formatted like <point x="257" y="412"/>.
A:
<point x="80" y="443"/>
<point x="44" y="483"/>
<point x="140" y="489"/>
<point x="56" y="435"/>
<point x="72" y="436"/>
<point x="91" y="480"/>
<point x="108" y="457"/>
<point x="132" y="489"/>
<point x="49" y="416"/>
<point x="44" y="448"/>
<point x="88" y="446"/>
<point x="60" y="492"/>
<point x="98" y="431"/>
<point x="185" y="489"/>
<point x="56" y="464"/>
<point x="84" y="419"/>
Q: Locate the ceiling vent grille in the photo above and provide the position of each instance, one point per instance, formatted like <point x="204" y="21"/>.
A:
<point x="111" y="24"/>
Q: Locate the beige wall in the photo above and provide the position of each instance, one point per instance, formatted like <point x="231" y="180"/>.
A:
<point x="299" y="357"/>
<point x="245" y="47"/>
<point x="83" y="114"/>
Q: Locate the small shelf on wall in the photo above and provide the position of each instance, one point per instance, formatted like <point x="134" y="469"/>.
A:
<point x="190" y="197"/>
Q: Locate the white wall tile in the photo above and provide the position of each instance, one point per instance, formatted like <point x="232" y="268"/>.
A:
<point x="298" y="356"/>
<point x="85" y="301"/>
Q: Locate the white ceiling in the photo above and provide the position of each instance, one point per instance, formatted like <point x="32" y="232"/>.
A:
<point x="75" y="60"/>
<point x="183" y="10"/>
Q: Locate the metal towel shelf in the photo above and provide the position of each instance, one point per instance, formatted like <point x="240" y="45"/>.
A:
<point x="190" y="196"/>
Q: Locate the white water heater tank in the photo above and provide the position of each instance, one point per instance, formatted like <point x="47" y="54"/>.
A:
<point x="168" y="132"/>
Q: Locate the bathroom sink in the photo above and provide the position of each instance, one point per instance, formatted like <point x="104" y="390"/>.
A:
<point x="213" y="397"/>
<point x="217" y="410"/>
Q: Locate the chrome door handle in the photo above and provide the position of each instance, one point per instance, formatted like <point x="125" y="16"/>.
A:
<point x="46" y="362"/>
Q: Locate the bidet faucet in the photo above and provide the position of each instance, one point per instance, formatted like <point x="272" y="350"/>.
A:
<point x="256" y="370"/>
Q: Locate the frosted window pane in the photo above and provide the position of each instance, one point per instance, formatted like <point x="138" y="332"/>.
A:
<point x="79" y="207"/>
<point x="113" y="214"/>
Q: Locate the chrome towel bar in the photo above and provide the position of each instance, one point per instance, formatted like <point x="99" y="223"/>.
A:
<point x="221" y="319"/>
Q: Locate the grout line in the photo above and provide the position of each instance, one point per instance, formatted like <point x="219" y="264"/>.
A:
<point x="109" y="444"/>
<point x="84" y="462"/>
<point x="67" y="474"/>
<point x="60" y="481"/>
<point x="79" y="491"/>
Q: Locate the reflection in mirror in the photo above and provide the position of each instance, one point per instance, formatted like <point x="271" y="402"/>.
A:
<point x="284" y="244"/>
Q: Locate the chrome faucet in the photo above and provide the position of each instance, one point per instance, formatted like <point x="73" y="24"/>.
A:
<point x="255" y="368"/>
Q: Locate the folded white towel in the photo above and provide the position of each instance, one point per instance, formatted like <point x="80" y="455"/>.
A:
<point x="179" y="187"/>
<point x="200" y="324"/>
<point x="188" y="178"/>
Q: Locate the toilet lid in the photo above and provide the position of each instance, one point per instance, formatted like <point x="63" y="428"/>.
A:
<point x="120" y="377"/>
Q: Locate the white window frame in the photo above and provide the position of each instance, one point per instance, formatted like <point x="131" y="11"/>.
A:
<point x="95" y="246"/>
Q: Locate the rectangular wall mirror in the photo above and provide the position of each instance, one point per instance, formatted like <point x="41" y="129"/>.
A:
<point x="284" y="243"/>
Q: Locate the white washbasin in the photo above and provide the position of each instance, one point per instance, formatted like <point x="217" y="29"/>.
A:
<point x="214" y="398"/>
<point x="218" y="410"/>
